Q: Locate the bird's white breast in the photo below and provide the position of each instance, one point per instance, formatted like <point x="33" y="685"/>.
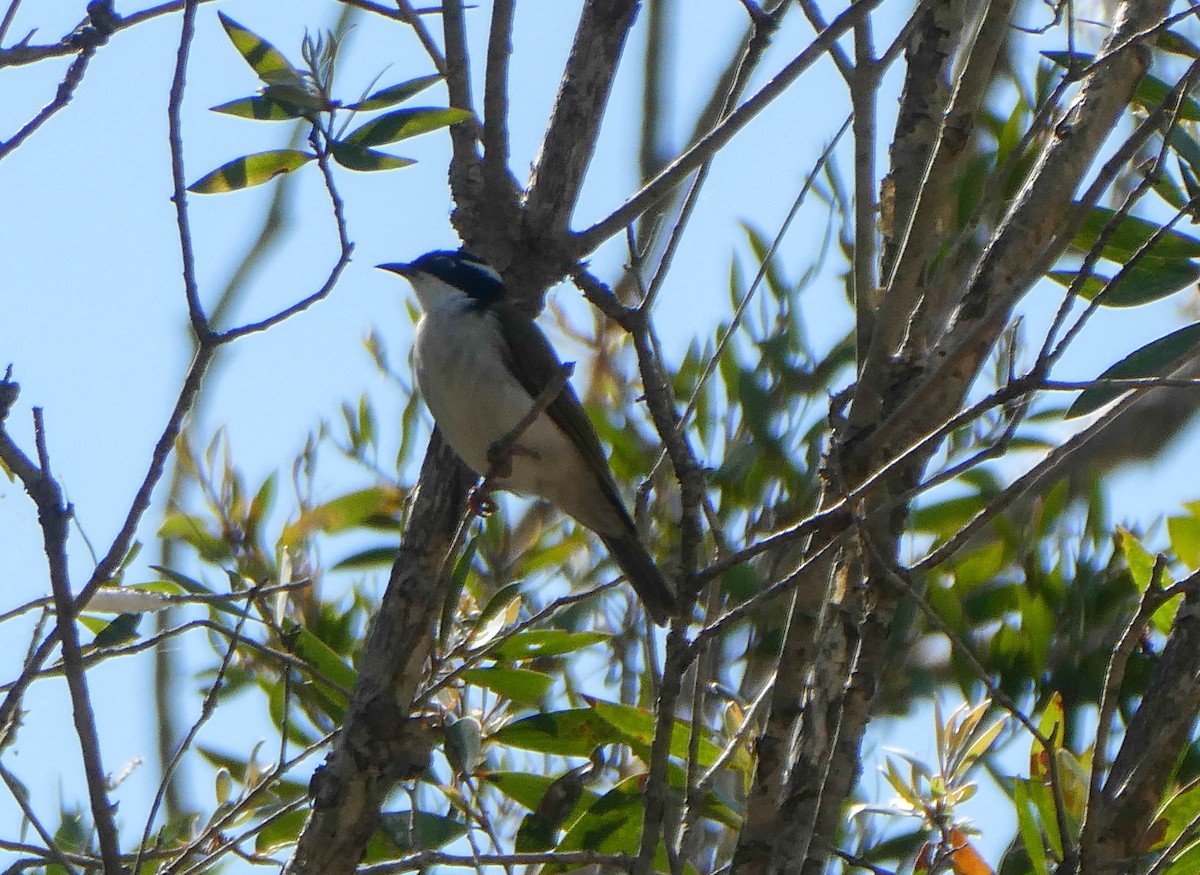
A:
<point x="475" y="400"/>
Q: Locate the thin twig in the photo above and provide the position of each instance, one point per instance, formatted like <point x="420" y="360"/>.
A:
<point x="346" y="249"/>
<point x="655" y="789"/>
<point x="187" y="32"/>
<point x="66" y="90"/>
<point x="20" y="795"/>
<point x="762" y="25"/>
<point x="23" y="53"/>
<point x="656" y="189"/>
<point x="1114" y="675"/>
<point x="495" y="101"/>
<point x="54" y="517"/>
<point x="429" y="859"/>
<point x="9" y="15"/>
<point x="207" y="709"/>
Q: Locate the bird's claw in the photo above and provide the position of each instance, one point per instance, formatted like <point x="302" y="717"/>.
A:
<point x="479" y="500"/>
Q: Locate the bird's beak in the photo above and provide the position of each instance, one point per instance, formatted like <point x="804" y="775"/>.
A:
<point x="402" y="268"/>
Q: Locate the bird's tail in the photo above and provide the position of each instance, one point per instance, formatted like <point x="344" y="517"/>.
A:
<point x="647" y="580"/>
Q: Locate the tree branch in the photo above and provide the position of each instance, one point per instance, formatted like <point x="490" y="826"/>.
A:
<point x="381" y="743"/>
<point x="570" y="138"/>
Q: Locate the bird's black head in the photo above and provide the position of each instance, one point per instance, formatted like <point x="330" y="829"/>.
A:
<point x="463" y="270"/>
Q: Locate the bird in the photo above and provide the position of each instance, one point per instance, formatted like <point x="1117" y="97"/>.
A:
<point x="480" y="364"/>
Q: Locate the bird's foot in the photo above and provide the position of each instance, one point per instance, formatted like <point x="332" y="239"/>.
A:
<point x="479" y="500"/>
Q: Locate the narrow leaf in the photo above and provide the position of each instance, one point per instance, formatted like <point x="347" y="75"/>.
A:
<point x="544" y="642"/>
<point x="576" y="732"/>
<point x="405" y="123"/>
<point x="251" y="170"/>
<point x="1150" y="279"/>
<point x="364" y="160"/>
<point x="1130" y="235"/>
<point x="264" y="59"/>
<point x="417" y="830"/>
<point x="120" y="630"/>
<point x="1155" y="359"/>
<point x="522" y="685"/>
<point x="394" y="94"/>
<point x="259" y="107"/>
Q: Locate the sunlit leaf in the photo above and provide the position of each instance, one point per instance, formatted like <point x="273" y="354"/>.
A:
<point x="420" y="830"/>
<point x="318" y="654"/>
<point x="405" y="123"/>
<point x="373" y="507"/>
<point x="613" y="825"/>
<point x="1155" y="359"/>
<point x="394" y="94"/>
<point x="260" y="107"/>
<point x="355" y="157"/>
<point x="1031" y="836"/>
<point x="528" y="788"/>
<point x="251" y="170"/>
<point x="522" y="685"/>
<point x="544" y="642"/>
<point x="637" y="725"/>
<point x="1150" y="279"/>
<point x="120" y="630"/>
<point x="280" y="831"/>
<point x="264" y="59"/>
<point x="1130" y="235"/>
<point x="575" y="732"/>
<point x="1185" y="539"/>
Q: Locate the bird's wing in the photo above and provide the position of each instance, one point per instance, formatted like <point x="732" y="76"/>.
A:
<point x="533" y="367"/>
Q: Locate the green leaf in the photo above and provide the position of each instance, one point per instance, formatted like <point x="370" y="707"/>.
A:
<point x="1031" y="836"/>
<point x="372" y="557"/>
<point x="304" y="644"/>
<point x="572" y="733"/>
<point x="1138" y="558"/>
<point x="528" y="788"/>
<point x="120" y="630"/>
<point x="260" y="107"/>
<point x="264" y="59"/>
<point x="522" y="685"/>
<point x="1149" y="279"/>
<point x="637" y="726"/>
<point x="251" y="170"/>
<point x="613" y="825"/>
<point x="1179" y="814"/>
<point x="189" y="584"/>
<point x="281" y="831"/>
<point x="1130" y="235"/>
<point x="405" y="123"/>
<point x="944" y="518"/>
<point x="1185" y="539"/>
<point x="548" y="642"/>
<point x="394" y="94"/>
<point x="420" y="830"/>
<point x="1052" y="727"/>
<point x="1177" y="44"/>
<point x="363" y="507"/>
<point x="458" y="579"/>
<point x="364" y="160"/>
<point x="1155" y="359"/>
